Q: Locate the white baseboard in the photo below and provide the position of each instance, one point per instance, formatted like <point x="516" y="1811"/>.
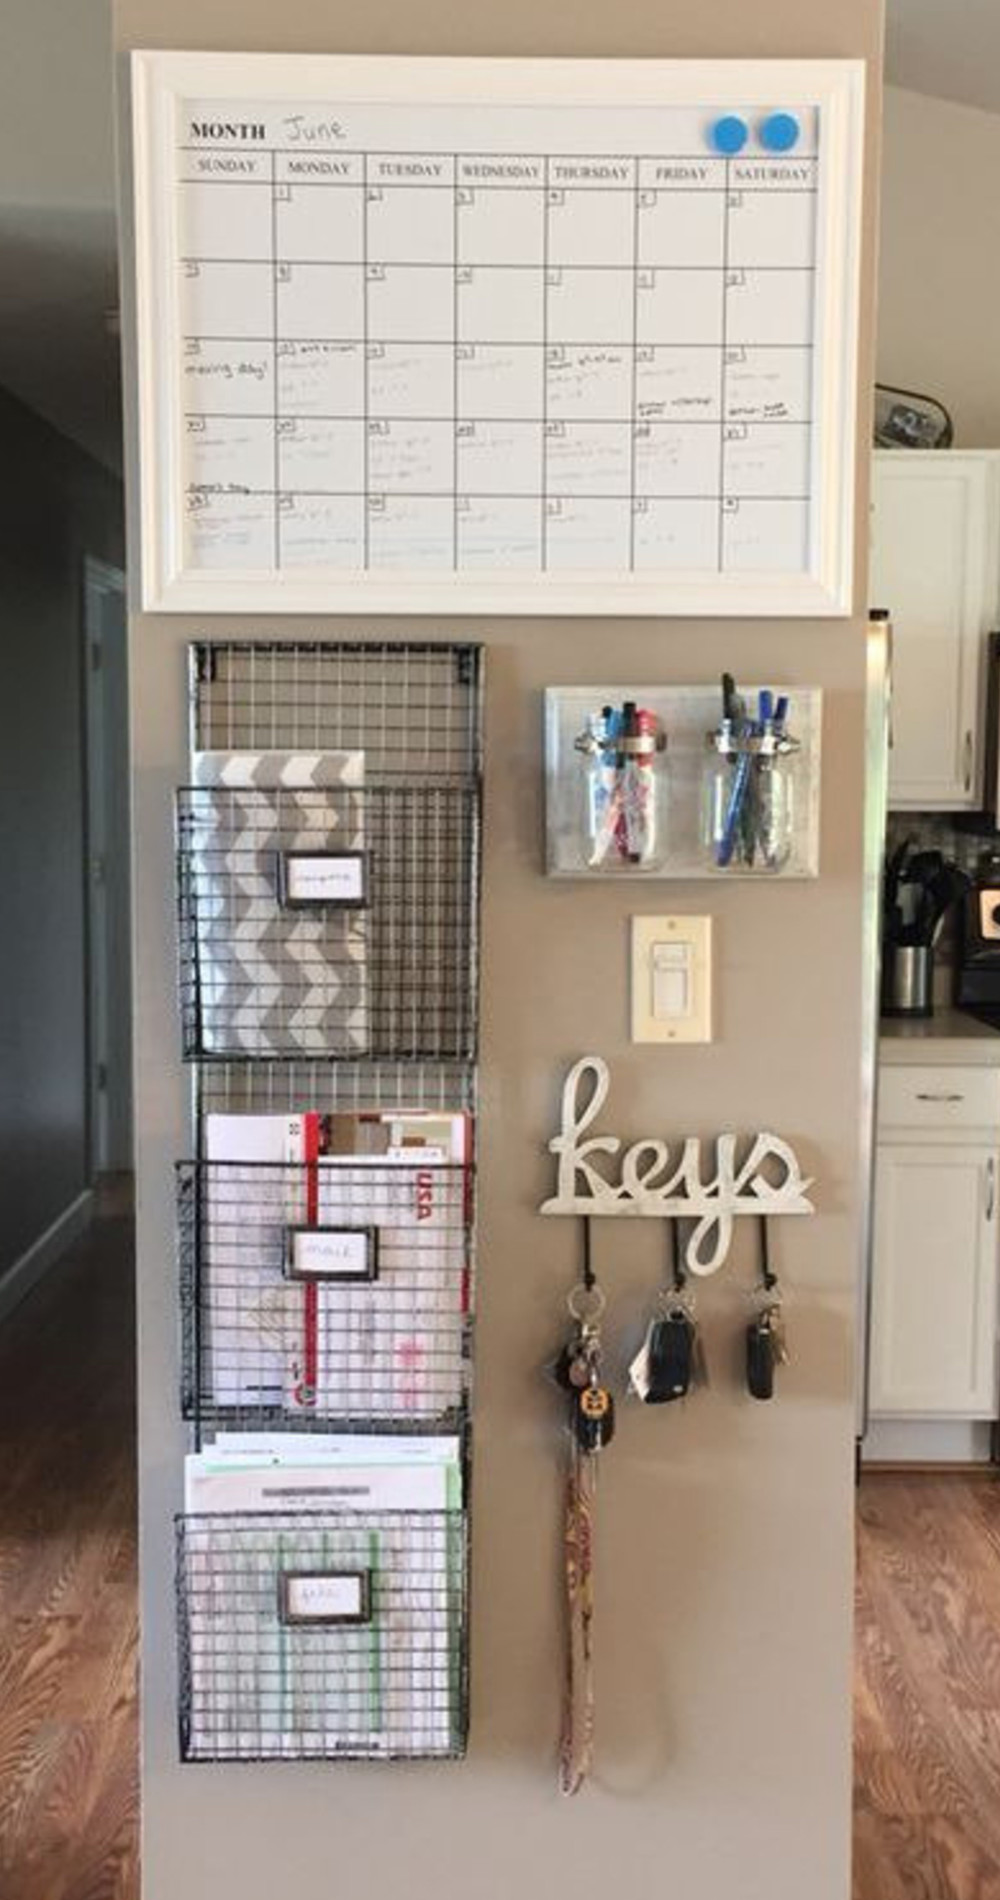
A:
<point x="926" y="1441"/>
<point x="26" y="1272"/>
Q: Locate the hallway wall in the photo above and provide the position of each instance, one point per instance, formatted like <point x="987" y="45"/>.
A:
<point x="58" y="506"/>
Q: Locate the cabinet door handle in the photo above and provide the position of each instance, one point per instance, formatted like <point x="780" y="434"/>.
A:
<point x="967" y="761"/>
<point x="939" y="1095"/>
<point x="991" y="1187"/>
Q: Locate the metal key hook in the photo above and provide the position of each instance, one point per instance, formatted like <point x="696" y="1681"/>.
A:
<point x="677" y="1297"/>
<point x="766" y="1295"/>
<point x="586" y="1301"/>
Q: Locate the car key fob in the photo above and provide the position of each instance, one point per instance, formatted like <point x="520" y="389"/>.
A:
<point x="760" y="1359"/>
<point x="671" y="1358"/>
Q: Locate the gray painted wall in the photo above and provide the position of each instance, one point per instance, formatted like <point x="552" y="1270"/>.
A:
<point x="725" y="1559"/>
<point x="58" y="506"/>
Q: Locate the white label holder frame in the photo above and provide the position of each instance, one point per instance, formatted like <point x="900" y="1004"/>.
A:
<point x="332" y="1256"/>
<point x="324" y="1599"/>
<point x="834" y="89"/>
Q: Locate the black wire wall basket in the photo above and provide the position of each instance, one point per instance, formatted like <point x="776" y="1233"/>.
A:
<point x="325" y="1296"/>
<point x="333" y="922"/>
<point x="322" y="1635"/>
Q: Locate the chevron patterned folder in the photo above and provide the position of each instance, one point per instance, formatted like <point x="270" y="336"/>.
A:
<point x="275" y="981"/>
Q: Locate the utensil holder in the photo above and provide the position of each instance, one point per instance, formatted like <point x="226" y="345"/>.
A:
<point x="908" y="980"/>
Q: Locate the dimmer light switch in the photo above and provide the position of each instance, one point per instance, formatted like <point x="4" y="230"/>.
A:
<point x="671" y="979"/>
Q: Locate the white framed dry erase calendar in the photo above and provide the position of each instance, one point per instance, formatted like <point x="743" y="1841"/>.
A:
<point x="523" y="336"/>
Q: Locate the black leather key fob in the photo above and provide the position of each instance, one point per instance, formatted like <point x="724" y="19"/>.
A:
<point x="760" y="1360"/>
<point x="671" y="1358"/>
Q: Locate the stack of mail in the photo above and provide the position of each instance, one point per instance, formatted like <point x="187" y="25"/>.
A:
<point x="263" y="1510"/>
<point x="389" y="1347"/>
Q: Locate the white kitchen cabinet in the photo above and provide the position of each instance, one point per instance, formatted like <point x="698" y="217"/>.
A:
<point x="934" y="1279"/>
<point x="935" y="567"/>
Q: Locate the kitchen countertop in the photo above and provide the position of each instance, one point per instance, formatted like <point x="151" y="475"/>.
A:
<point x="948" y="1036"/>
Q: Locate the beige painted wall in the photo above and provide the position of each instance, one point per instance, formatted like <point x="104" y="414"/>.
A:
<point x="725" y="1552"/>
<point x="939" y="269"/>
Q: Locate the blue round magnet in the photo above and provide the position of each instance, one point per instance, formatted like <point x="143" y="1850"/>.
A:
<point x="729" y="135"/>
<point x="779" y="132"/>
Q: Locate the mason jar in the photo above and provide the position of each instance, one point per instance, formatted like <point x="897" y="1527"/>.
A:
<point x="623" y="802"/>
<point x="748" y="799"/>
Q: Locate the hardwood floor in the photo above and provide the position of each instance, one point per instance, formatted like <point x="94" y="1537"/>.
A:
<point x="927" y="1689"/>
<point x="927" y="1697"/>
<point x="68" y="1609"/>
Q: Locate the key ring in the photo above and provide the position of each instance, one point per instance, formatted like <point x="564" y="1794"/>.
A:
<point x="586" y="1304"/>
<point x="673" y="1300"/>
<point x="678" y="1296"/>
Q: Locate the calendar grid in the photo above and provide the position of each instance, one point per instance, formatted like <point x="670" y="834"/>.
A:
<point x="318" y="150"/>
<point x="720" y="561"/>
<point x="695" y="422"/>
<point x="573" y="343"/>
<point x="366" y="443"/>
<point x="455" y="377"/>
<point x="633" y="378"/>
<point x="547" y="408"/>
<point x="544" y="481"/>
<point x="274" y="359"/>
<point x="308" y="263"/>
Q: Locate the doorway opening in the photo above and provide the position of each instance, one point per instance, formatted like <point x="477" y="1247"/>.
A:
<point x="109" y="1035"/>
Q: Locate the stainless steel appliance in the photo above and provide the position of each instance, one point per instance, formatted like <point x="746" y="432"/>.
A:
<point x="991" y="745"/>
<point x="979" y="971"/>
<point x="877" y="697"/>
<point x="920" y="888"/>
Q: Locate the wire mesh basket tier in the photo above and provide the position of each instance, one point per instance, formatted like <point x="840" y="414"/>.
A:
<point x="327" y="1295"/>
<point x="270" y="970"/>
<point x="286" y="1087"/>
<point x="313" y="1636"/>
<point x="413" y="708"/>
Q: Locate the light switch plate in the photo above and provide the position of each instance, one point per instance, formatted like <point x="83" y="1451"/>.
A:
<point x="671" y="979"/>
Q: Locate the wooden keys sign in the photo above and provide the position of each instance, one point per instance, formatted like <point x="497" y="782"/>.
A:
<point x="756" y="1175"/>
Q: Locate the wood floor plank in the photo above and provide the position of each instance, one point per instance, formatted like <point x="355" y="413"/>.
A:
<point x="68" y="1588"/>
<point x="927" y="1760"/>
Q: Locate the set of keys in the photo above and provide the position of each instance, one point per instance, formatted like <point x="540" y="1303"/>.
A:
<point x="578" y="1371"/>
<point x="592" y="1421"/>
<point x="670" y="1360"/>
<point x="766" y="1346"/>
<point x="766" y="1350"/>
<point x="668" y="1364"/>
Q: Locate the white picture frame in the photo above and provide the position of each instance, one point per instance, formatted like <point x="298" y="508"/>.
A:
<point x="162" y="82"/>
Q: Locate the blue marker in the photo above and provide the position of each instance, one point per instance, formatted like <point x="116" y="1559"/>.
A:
<point x="729" y="135"/>
<point x="779" y="132"/>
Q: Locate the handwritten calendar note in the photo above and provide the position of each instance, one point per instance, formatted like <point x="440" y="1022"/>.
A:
<point x="466" y="342"/>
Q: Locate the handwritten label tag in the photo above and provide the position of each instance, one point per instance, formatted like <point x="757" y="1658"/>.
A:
<point x="332" y="1253"/>
<point x="322" y="877"/>
<point x="325" y="1596"/>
